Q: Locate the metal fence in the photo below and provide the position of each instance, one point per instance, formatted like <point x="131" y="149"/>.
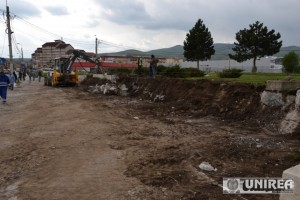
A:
<point x="263" y="65"/>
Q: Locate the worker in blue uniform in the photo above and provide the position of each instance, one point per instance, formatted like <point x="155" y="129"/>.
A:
<point x="4" y="83"/>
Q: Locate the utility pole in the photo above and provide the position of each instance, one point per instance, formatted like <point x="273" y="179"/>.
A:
<point x="9" y="32"/>
<point x="96" y="47"/>
<point x="22" y="54"/>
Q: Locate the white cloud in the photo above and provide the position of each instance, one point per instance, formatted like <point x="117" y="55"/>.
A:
<point x="144" y="24"/>
<point x="57" y="10"/>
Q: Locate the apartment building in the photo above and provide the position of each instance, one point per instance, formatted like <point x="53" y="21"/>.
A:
<point x="37" y="57"/>
<point x="46" y="55"/>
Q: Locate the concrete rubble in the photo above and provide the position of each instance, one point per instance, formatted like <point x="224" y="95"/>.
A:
<point x="109" y="89"/>
<point x="294" y="174"/>
<point x="291" y="123"/>
<point x="207" y="167"/>
<point x="297" y="101"/>
<point x="276" y="99"/>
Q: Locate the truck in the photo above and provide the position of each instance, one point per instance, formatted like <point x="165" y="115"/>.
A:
<point x="62" y="74"/>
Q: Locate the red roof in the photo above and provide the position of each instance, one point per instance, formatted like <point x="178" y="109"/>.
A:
<point x="83" y="64"/>
<point x="79" y="65"/>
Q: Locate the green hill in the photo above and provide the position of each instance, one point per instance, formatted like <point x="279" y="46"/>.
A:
<point x="222" y="51"/>
<point x="286" y="50"/>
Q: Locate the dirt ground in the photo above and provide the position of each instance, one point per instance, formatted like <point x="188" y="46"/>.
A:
<point x="65" y="143"/>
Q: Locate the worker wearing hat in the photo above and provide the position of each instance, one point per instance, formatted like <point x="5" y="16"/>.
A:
<point x="4" y="83"/>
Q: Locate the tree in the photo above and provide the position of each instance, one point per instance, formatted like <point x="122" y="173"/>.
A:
<point x="255" y="43"/>
<point x="290" y="62"/>
<point x="198" y="44"/>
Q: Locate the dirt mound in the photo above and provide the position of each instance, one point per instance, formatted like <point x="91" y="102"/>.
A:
<point x="208" y="96"/>
<point x="230" y="101"/>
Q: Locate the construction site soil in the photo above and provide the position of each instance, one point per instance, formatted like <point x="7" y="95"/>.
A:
<point x="190" y="122"/>
<point x="147" y="143"/>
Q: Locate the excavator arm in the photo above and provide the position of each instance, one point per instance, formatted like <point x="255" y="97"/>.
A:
<point x="63" y="74"/>
<point x="82" y="55"/>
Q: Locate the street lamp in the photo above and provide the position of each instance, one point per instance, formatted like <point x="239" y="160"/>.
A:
<point x="22" y="64"/>
<point x="21" y="51"/>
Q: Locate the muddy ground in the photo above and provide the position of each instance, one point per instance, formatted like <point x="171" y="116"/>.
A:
<point x="66" y="143"/>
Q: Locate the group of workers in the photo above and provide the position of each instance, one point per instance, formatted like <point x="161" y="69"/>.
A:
<point x="152" y="66"/>
<point x="7" y="80"/>
<point x="10" y="79"/>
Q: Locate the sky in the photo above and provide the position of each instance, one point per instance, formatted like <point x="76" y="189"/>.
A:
<point x="139" y="24"/>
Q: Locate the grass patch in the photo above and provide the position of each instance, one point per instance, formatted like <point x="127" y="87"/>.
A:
<point x="258" y="79"/>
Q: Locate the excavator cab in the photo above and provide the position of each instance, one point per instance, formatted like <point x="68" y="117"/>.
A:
<point x="59" y="64"/>
<point x="61" y="75"/>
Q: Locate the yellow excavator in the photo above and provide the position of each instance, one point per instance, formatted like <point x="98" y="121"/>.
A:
<point x="62" y="74"/>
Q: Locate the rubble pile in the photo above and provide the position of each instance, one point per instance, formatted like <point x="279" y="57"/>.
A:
<point x="242" y="102"/>
<point x="109" y="89"/>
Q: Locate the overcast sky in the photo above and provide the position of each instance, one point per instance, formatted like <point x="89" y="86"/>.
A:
<point x="140" y="24"/>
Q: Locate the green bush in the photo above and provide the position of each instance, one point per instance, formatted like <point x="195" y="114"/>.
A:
<point x="177" y="72"/>
<point x="193" y="72"/>
<point x="160" y="69"/>
<point x="230" y="73"/>
<point x="290" y="63"/>
<point x="174" y="71"/>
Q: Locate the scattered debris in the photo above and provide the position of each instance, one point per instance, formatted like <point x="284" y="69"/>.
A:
<point x="159" y="98"/>
<point x="207" y="167"/>
<point x="108" y="89"/>
<point x="123" y="90"/>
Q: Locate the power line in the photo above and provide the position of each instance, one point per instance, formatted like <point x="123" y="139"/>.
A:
<point x="4" y="40"/>
<point x="15" y="40"/>
<point x="89" y="44"/>
<point x="121" y="46"/>
<point x="36" y="27"/>
<point x="85" y="43"/>
<point x="72" y="40"/>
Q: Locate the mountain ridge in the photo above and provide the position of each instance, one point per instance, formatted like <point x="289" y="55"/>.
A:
<point x="221" y="52"/>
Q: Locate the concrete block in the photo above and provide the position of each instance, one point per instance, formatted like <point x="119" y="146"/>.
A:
<point x="291" y="123"/>
<point x="297" y="101"/>
<point x="292" y="173"/>
<point x="282" y="85"/>
<point x="272" y="99"/>
<point x="276" y="99"/>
